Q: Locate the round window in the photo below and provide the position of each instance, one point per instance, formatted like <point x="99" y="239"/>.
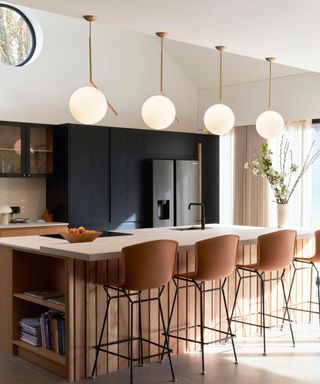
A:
<point x="17" y="36"/>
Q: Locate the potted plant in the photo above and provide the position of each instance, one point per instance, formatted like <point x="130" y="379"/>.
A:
<point x="282" y="181"/>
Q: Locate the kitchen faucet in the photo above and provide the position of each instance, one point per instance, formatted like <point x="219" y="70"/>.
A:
<point x="203" y="215"/>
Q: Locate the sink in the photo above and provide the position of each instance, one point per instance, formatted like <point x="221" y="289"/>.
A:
<point x="186" y="229"/>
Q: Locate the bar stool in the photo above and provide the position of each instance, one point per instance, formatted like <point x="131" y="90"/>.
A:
<point x="146" y="266"/>
<point x="312" y="263"/>
<point x="215" y="259"/>
<point x="275" y="252"/>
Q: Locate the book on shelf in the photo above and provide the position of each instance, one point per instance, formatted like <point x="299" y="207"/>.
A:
<point x="60" y="300"/>
<point x="47" y="331"/>
<point x="30" y="330"/>
<point x="44" y="294"/>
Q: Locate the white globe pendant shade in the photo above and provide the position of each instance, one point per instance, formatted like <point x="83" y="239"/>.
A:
<point x="158" y="112"/>
<point x="88" y="105"/>
<point x="219" y="119"/>
<point x="270" y="124"/>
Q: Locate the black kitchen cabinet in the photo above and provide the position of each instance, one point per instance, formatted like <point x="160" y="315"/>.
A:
<point x="26" y="150"/>
<point x="170" y="145"/>
<point x="128" y="185"/>
<point x="103" y="175"/>
<point x="78" y="190"/>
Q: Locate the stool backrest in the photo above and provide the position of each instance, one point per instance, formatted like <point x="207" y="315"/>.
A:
<point x="276" y="250"/>
<point x="216" y="257"/>
<point x="317" y="247"/>
<point x="149" y="265"/>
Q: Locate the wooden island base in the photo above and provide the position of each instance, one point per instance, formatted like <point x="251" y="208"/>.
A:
<point x="32" y="269"/>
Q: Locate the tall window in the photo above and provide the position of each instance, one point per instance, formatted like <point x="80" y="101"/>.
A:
<point x="315" y="175"/>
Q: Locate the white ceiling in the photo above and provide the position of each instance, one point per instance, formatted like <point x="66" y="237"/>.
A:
<point x="286" y="29"/>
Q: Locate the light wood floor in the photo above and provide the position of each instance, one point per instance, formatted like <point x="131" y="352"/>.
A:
<point x="283" y="364"/>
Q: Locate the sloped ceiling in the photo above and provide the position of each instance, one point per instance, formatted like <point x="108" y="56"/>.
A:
<point x="286" y="29"/>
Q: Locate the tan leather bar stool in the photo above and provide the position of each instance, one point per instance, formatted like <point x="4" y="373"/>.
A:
<point x="215" y="259"/>
<point x="275" y="253"/>
<point x="146" y="266"/>
<point x="311" y="262"/>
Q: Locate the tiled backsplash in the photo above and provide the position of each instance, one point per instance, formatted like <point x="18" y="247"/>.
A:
<point x="29" y="194"/>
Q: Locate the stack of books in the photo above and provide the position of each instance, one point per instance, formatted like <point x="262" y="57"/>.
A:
<point x="52" y="325"/>
<point x="30" y="331"/>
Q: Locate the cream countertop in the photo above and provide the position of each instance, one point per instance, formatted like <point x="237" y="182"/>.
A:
<point x="110" y="247"/>
<point x="31" y="224"/>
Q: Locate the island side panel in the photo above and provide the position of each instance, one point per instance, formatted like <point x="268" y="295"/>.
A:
<point x="6" y="300"/>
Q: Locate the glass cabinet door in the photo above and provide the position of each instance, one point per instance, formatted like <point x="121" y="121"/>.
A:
<point x="40" y="150"/>
<point x="11" y="152"/>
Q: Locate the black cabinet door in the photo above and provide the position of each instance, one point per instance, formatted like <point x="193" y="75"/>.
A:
<point x="79" y="174"/>
<point x="169" y="145"/>
<point x="89" y="175"/>
<point x="210" y="173"/>
<point x="127" y="167"/>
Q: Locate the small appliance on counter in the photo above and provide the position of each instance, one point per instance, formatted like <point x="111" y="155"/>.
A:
<point x="17" y="220"/>
<point x="5" y="211"/>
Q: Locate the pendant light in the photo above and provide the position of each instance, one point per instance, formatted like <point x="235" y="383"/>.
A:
<point x="270" y="123"/>
<point x="219" y="118"/>
<point x="88" y="105"/>
<point x="159" y="112"/>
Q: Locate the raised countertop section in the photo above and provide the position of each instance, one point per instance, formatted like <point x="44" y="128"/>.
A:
<point x="31" y="224"/>
<point x="110" y="247"/>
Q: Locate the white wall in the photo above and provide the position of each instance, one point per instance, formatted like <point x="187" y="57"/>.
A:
<point x="295" y="97"/>
<point x="126" y="69"/>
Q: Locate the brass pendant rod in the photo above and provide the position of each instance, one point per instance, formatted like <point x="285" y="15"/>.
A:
<point x="270" y="85"/>
<point x="161" y="67"/>
<point x="220" y="48"/>
<point x="270" y="60"/>
<point x="90" y="53"/>
<point x="220" y="93"/>
<point x="90" y="19"/>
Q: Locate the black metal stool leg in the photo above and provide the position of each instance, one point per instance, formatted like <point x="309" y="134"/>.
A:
<point x="170" y="318"/>
<point x="229" y="323"/>
<point x="131" y="343"/>
<point x="310" y="303"/>
<point x="263" y="323"/>
<point x="318" y="285"/>
<point x="166" y="343"/>
<point x="286" y="306"/>
<point x="236" y="295"/>
<point x="203" y="372"/>
<point x="141" y="364"/>
<point x="100" y="339"/>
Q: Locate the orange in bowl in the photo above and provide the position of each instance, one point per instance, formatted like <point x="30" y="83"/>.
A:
<point x="83" y="237"/>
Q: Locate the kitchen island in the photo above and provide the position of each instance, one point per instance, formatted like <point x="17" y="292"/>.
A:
<point x="37" y="263"/>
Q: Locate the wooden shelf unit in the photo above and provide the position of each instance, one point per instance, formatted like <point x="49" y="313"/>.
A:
<point x="43" y="303"/>
<point x="43" y="352"/>
<point x="32" y="272"/>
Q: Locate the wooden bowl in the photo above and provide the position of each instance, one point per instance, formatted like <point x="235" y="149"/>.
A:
<point x="81" y="237"/>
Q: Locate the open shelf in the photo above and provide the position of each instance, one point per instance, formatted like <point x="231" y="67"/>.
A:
<point x="43" y="352"/>
<point x="44" y="303"/>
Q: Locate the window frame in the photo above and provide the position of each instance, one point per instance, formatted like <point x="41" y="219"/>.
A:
<point x="32" y="32"/>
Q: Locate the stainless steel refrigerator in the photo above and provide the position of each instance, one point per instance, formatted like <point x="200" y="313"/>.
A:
<point x="175" y="185"/>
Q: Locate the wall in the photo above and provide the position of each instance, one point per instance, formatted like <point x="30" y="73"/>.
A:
<point x="126" y="69"/>
<point x="295" y="97"/>
<point x="29" y="194"/>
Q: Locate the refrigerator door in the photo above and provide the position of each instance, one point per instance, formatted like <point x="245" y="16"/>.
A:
<point x="163" y="191"/>
<point x="186" y="192"/>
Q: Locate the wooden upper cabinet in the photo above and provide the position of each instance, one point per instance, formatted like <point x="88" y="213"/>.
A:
<point x="11" y="149"/>
<point x="26" y="150"/>
<point x="40" y="150"/>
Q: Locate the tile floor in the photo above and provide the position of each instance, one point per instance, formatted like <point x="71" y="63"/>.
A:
<point x="283" y="364"/>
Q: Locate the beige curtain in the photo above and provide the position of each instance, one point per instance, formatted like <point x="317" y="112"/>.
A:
<point x="250" y="193"/>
